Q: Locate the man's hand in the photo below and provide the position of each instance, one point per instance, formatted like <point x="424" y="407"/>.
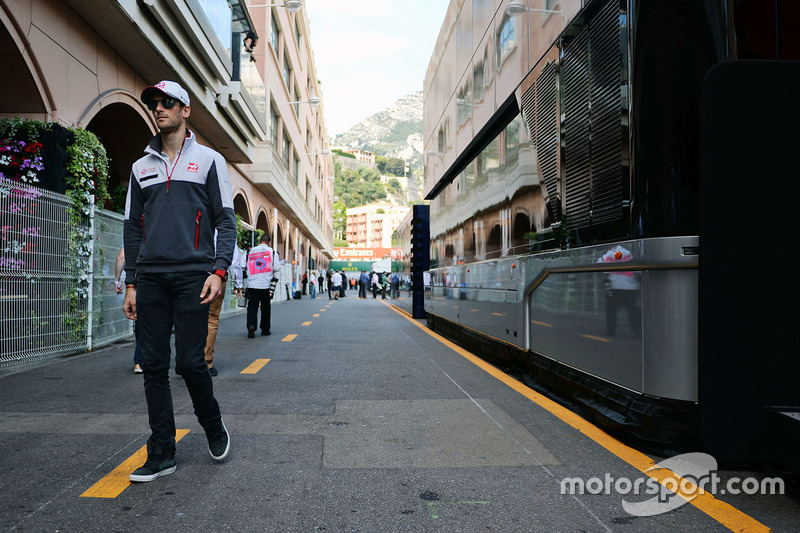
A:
<point x="211" y="289"/>
<point x="237" y="292"/>
<point x="129" y="305"/>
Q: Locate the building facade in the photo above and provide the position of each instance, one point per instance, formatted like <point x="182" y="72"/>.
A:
<point x="85" y="63"/>
<point x="371" y="226"/>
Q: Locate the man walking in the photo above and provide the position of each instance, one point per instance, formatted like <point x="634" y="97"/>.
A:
<point x="179" y="193"/>
<point x="235" y="272"/>
<point x="262" y="265"/>
<point x="336" y="280"/>
<point x="363" y="284"/>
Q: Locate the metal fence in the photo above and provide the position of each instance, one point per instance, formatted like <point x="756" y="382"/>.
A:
<point x="56" y="277"/>
<point x="37" y="315"/>
<point x="109" y="323"/>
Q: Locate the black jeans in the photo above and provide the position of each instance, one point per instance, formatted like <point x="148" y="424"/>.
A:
<point x="256" y="298"/>
<point x="164" y="300"/>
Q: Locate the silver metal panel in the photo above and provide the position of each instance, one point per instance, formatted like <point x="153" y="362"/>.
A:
<point x="568" y="292"/>
<point x="576" y="321"/>
<point x="641" y="334"/>
<point x="670" y="333"/>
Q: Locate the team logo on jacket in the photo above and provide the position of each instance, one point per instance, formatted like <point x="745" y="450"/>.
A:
<point x="193" y="167"/>
<point x="259" y="262"/>
<point x="147" y="171"/>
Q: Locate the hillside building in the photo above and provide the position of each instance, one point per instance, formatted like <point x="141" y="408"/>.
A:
<point x="371" y="226"/>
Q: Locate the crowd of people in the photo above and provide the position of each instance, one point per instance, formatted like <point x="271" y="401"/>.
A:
<point x="337" y="282"/>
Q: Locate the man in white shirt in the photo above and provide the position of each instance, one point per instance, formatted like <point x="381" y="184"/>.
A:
<point x="262" y="265"/>
<point x="336" y="281"/>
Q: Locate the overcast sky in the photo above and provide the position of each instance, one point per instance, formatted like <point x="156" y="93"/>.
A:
<point x="369" y="53"/>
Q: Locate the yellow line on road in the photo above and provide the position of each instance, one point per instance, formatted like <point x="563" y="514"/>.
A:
<point x="322" y="310"/>
<point x="315" y="315"/>
<point x="545" y="324"/>
<point x="499" y="314"/>
<point x="289" y="338"/>
<point x="595" y="338"/>
<point x="255" y="366"/>
<point x="722" y="512"/>
<point x="307" y="323"/>
<point x="117" y="480"/>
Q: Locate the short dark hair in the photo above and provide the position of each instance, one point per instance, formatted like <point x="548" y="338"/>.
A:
<point x="265" y="238"/>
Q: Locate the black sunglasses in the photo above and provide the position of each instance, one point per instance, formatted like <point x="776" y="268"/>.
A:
<point x="166" y="103"/>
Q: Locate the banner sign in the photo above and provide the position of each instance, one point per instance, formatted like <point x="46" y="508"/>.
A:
<point x="361" y="254"/>
<point x="351" y="266"/>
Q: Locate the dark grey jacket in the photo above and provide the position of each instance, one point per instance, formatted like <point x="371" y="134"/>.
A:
<point x="172" y="210"/>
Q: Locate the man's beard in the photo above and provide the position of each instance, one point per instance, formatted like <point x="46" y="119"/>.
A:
<point x="169" y="128"/>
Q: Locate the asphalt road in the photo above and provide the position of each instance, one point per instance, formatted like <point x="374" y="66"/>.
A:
<point x="360" y="421"/>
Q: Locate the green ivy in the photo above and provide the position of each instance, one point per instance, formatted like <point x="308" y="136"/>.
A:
<point x="87" y="176"/>
<point x="243" y="235"/>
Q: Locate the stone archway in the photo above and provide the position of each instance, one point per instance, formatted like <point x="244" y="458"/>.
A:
<point x="124" y="134"/>
<point x="279" y="242"/>
<point x="521" y="227"/>
<point x="262" y="222"/>
<point x="494" y="243"/>
<point x="241" y="207"/>
<point x="27" y="95"/>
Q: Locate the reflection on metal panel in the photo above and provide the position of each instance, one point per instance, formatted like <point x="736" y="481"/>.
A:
<point x="590" y="325"/>
<point x="671" y="334"/>
<point x="626" y="313"/>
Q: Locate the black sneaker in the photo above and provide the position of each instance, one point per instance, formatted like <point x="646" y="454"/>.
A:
<point x="212" y="370"/>
<point x="265" y="333"/>
<point x="251" y="332"/>
<point x="219" y="441"/>
<point x="160" y="462"/>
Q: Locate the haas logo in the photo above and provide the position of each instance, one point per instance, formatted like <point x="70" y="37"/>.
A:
<point x="193" y="167"/>
<point x="161" y="85"/>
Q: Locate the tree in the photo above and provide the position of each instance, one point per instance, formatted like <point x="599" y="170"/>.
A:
<point x="340" y="217"/>
<point x="394" y="166"/>
<point x="393" y="186"/>
<point x="358" y="187"/>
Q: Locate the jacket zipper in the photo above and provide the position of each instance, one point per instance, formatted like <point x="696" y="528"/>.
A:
<point x="197" y="229"/>
<point x="175" y="164"/>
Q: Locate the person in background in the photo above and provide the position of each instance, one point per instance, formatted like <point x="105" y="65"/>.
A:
<point x="235" y="273"/>
<point x="119" y="285"/>
<point x="375" y="283"/>
<point x="363" y="284"/>
<point x="250" y="41"/>
<point x="312" y="285"/>
<point x="262" y="266"/>
<point x="329" y="279"/>
<point x="343" y="288"/>
<point x="304" y="281"/>
<point x="336" y="281"/>
<point x="179" y="194"/>
<point x="384" y="285"/>
<point x="321" y="283"/>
